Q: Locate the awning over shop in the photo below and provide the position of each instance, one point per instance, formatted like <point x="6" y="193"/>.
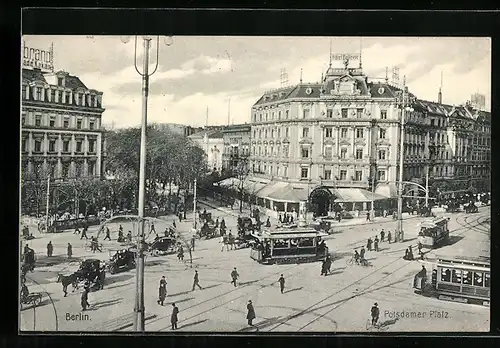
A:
<point x="387" y="190"/>
<point x="271" y="187"/>
<point x="229" y="182"/>
<point x="352" y="195"/>
<point x="254" y="185"/>
<point x="290" y="194"/>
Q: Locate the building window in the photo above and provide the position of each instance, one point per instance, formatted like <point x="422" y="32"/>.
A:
<point x="328" y="132"/>
<point x="343" y="153"/>
<point x="286" y="114"/>
<point x="279" y="115"/>
<point x="66" y="146"/>
<point x="65" y="170"/>
<point x="254" y="134"/>
<point x="24" y="145"/>
<point x="52" y="145"/>
<point x="78" y="124"/>
<point x="344" y="113"/>
<point x="305" y="152"/>
<point x="305" y="132"/>
<point x="271" y="152"/>
<point x="23" y="92"/>
<point x="92" y="100"/>
<point x="286" y="132"/>
<point x="381" y="133"/>
<point x="260" y="117"/>
<point x="23" y="119"/>
<point x="432" y="122"/>
<point x="381" y="175"/>
<point x="383" y="114"/>
<point x="267" y="116"/>
<point x="39" y="93"/>
<point x="328" y="152"/>
<point x="53" y="95"/>
<point x="52" y="122"/>
<point x="328" y="174"/>
<point x="285" y="171"/>
<point x="260" y="133"/>
<point x="38" y="120"/>
<point x="343" y="174"/>
<point x="265" y="133"/>
<point x="304" y="173"/>
<point x="38" y="146"/>
<point x="381" y="154"/>
<point x="279" y="132"/>
<point x="60" y="81"/>
<point x="343" y="132"/>
<point x="91" y="125"/>
<point x="359" y="132"/>
<point x="329" y="113"/>
<point x="272" y="133"/>
<point x="359" y="175"/>
<point x="78" y="146"/>
<point x="305" y="113"/>
<point x="92" y="146"/>
<point x="359" y="113"/>
<point x="285" y="151"/>
<point x="359" y="153"/>
<point x="66" y="122"/>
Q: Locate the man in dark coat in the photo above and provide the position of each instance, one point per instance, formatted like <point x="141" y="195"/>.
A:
<point x="234" y="277"/>
<point x="382" y="235"/>
<point x="162" y="291"/>
<point x="369" y="244"/>
<point x="50" y="249"/>
<point x="362" y="253"/>
<point x="389" y="237"/>
<point x="108" y="234"/>
<point x="84" y="233"/>
<point x="173" y="318"/>
<point x="250" y="313"/>
<point x="375" y="312"/>
<point x="84" y="299"/>
<point x="282" y="283"/>
<point x="196" y="281"/>
<point x="375" y="243"/>
<point x="70" y="250"/>
<point x="101" y="276"/>
<point x="368" y="216"/>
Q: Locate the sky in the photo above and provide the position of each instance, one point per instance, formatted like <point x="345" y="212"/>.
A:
<point x="228" y="74"/>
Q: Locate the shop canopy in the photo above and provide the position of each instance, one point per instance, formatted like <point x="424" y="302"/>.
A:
<point x="353" y="195"/>
<point x="290" y="194"/>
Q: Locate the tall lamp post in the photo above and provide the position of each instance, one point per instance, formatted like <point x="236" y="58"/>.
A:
<point x="404" y="108"/>
<point x="139" y="310"/>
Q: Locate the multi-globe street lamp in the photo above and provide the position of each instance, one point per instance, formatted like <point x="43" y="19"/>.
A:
<point x="139" y="310"/>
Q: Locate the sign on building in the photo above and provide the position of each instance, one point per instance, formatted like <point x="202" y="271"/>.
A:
<point x="37" y="58"/>
<point x="345" y="57"/>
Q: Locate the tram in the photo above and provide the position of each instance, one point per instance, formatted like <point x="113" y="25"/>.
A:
<point x="286" y="245"/>
<point x="458" y="279"/>
<point x="434" y="232"/>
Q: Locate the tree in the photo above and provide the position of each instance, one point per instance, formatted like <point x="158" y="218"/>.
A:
<point x="241" y="172"/>
<point x="34" y="186"/>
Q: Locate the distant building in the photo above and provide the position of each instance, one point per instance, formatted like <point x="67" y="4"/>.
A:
<point x="175" y="128"/>
<point x="478" y="101"/>
<point x="236" y="144"/>
<point x="212" y="143"/>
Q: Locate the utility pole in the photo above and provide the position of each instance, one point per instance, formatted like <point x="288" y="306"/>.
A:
<point x="47" y="207"/>
<point x="401" y="161"/>
<point x="427" y="187"/>
<point x="194" y="202"/>
<point x="229" y="111"/>
<point x="372" y="213"/>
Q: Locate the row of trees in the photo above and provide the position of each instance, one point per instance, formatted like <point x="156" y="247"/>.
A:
<point x="172" y="159"/>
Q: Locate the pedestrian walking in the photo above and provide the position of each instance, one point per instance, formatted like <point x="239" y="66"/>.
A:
<point x="196" y="281"/>
<point x="70" y="251"/>
<point x="250" y="313"/>
<point x="192" y="243"/>
<point x="84" y="299"/>
<point x="375" y="243"/>
<point x="84" y="233"/>
<point x="419" y="247"/>
<point x="282" y="283"/>
<point x="369" y="244"/>
<point x="234" y="276"/>
<point x="375" y="312"/>
<point x="362" y="253"/>
<point x="108" y="234"/>
<point x="367" y="216"/>
<point x="382" y="235"/>
<point x="180" y="254"/>
<point x="389" y="237"/>
<point x="174" y="317"/>
<point x="50" y="249"/>
<point x="162" y="291"/>
<point x="120" y="228"/>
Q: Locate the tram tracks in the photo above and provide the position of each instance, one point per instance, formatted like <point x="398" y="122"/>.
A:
<point x="343" y="302"/>
<point x="51" y="302"/>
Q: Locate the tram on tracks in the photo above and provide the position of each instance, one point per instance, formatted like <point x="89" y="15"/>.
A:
<point x="460" y="279"/>
<point x="434" y="232"/>
<point x="289" y="245"/>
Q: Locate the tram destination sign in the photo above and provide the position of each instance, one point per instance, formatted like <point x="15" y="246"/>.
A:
<point x="37" y="58"/>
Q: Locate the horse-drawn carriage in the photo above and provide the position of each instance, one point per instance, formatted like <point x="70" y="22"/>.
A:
<point x="91" y="271"/>
<point x="471" y="208"/>
<point x="162" y="246"/>
<point x="247" y="224"/>
<point x="208" y="230"/>
<point x="123" y="259"/>
<point x="34" y="299"/>
<point x="453" y="206"/>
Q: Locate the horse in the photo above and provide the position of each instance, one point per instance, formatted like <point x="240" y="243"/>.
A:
<point x="71" y="279"/>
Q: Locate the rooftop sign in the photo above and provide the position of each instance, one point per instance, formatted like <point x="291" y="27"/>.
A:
<point x="37" y="58"/>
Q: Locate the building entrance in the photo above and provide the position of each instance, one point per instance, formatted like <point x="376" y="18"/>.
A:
<point x="320" y="200"/>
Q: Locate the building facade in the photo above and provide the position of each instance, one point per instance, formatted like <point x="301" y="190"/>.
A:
<point x="236" y="145"/>
<point x="212" y="143"/>
<point x="61" y="125"/>
<point x="343" y="134"/>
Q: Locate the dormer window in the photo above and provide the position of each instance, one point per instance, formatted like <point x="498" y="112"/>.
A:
<point x="60" y="81"/>
<point x="38" y="93"/>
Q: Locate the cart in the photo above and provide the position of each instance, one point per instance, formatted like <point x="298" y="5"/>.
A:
<point x="33" y="299"/>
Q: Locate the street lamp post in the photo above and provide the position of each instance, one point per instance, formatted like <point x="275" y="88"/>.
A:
<point x="139" y="310"/>
<point x="194" y="202"/>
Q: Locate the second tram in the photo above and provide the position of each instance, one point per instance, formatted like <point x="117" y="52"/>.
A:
<point x="434" y="232"/>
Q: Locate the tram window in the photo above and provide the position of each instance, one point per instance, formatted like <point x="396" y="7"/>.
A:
<point x="294" y="243"/>
<point x="487" y="280"/>
<point x="280" y="243"/>
<point x="306" y="242"/>
<point x="445" y="275"/>
<point x="467" y="277"/>
<point x="456" y="276"/>
<point x="478" y="279"/>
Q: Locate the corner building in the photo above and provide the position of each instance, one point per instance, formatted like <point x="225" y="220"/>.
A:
<point x="61" y="125"/>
